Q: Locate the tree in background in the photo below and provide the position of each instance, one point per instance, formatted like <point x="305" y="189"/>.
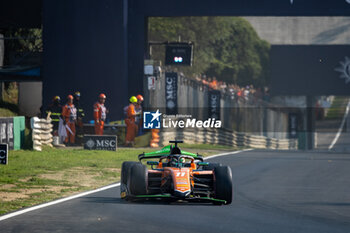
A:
<point x="19" y="45"/>
<point x="22" y="40"/>
<point x="227" y="48"/>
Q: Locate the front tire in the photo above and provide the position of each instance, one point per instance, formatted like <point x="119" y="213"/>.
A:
<point x="126" y="166"/>
<point x="223" y="183"/>
<point x="138" y="179"/>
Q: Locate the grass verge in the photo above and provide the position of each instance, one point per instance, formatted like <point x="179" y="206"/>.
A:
<point x="33" y="177"/>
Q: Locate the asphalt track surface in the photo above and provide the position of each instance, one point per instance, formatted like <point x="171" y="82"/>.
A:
<point x="275" y="191"/>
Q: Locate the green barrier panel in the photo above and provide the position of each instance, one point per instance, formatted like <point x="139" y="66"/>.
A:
<point x="18" y="132"/>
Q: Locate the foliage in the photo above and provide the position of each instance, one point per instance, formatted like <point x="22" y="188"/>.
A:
<point x="4" y="112"/>
<point x="10" y="108"/>
<point x="22" y="40"/>
<point x="9" y="100"/>
<point x="227" y="48"/>
<point x="10" y="94"/>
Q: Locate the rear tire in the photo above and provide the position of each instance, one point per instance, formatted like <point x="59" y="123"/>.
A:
<point x="223" y="183"/>
<point x="124" y="192"/>
<point x="138" y="179"/>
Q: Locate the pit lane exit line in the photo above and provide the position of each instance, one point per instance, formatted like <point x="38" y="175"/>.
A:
<point x="341" y="127"/>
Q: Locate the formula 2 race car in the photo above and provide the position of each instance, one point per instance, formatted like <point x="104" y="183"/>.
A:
<point x="176" y="175"/>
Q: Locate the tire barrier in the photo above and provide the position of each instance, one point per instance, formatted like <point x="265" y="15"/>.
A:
<point x="41" y="132"/>
<point x="227" y="138"/>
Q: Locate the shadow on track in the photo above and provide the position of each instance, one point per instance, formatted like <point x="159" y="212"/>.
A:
<point x="119" y="201"/>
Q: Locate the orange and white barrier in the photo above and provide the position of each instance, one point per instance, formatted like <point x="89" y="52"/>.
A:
<point x="154" y="138"/>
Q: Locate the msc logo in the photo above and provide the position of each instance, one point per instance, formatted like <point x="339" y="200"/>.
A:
<point x="151" y="120"/>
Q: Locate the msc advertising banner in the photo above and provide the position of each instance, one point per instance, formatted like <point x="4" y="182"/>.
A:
<point x="100" y="142"/>
<point x="214" y="104"/>
<point x="171" y="93"/>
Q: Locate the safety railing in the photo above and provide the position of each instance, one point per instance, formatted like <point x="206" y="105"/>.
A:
<point x="227" y="138"/>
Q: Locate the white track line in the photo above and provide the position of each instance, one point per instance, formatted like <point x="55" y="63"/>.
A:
<point x="88" y="193"/>
<point x="56" y="202"/>
<point x="227" y="153"/>
<point x="341" y="127"/>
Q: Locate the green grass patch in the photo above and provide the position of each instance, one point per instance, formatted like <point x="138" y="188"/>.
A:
<point x="28" y="165"/>
<point x="54" y="173"/>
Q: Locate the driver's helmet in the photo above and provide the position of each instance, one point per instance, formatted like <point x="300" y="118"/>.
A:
<point x="182" y="160"/>
<point x="173" y="161"/>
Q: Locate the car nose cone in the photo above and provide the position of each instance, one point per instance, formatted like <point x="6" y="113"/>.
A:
<point x="181" y="194"/>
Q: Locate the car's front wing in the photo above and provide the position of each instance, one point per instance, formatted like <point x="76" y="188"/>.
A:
<point x="190" y="198"/>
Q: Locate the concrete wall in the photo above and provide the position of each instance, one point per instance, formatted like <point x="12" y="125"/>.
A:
<point x="30" y="98"/>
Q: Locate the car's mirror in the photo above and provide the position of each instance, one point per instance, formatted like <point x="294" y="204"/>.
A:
<point x="152" y="163"/>
<point x="203" y="164"/>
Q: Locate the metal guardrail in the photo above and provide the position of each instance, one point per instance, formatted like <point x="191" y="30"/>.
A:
<point x="227" y="138"/>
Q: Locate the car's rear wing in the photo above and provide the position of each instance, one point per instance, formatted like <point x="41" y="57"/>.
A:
<point x="144" y="156"/>
<point x="165" y="152"/>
